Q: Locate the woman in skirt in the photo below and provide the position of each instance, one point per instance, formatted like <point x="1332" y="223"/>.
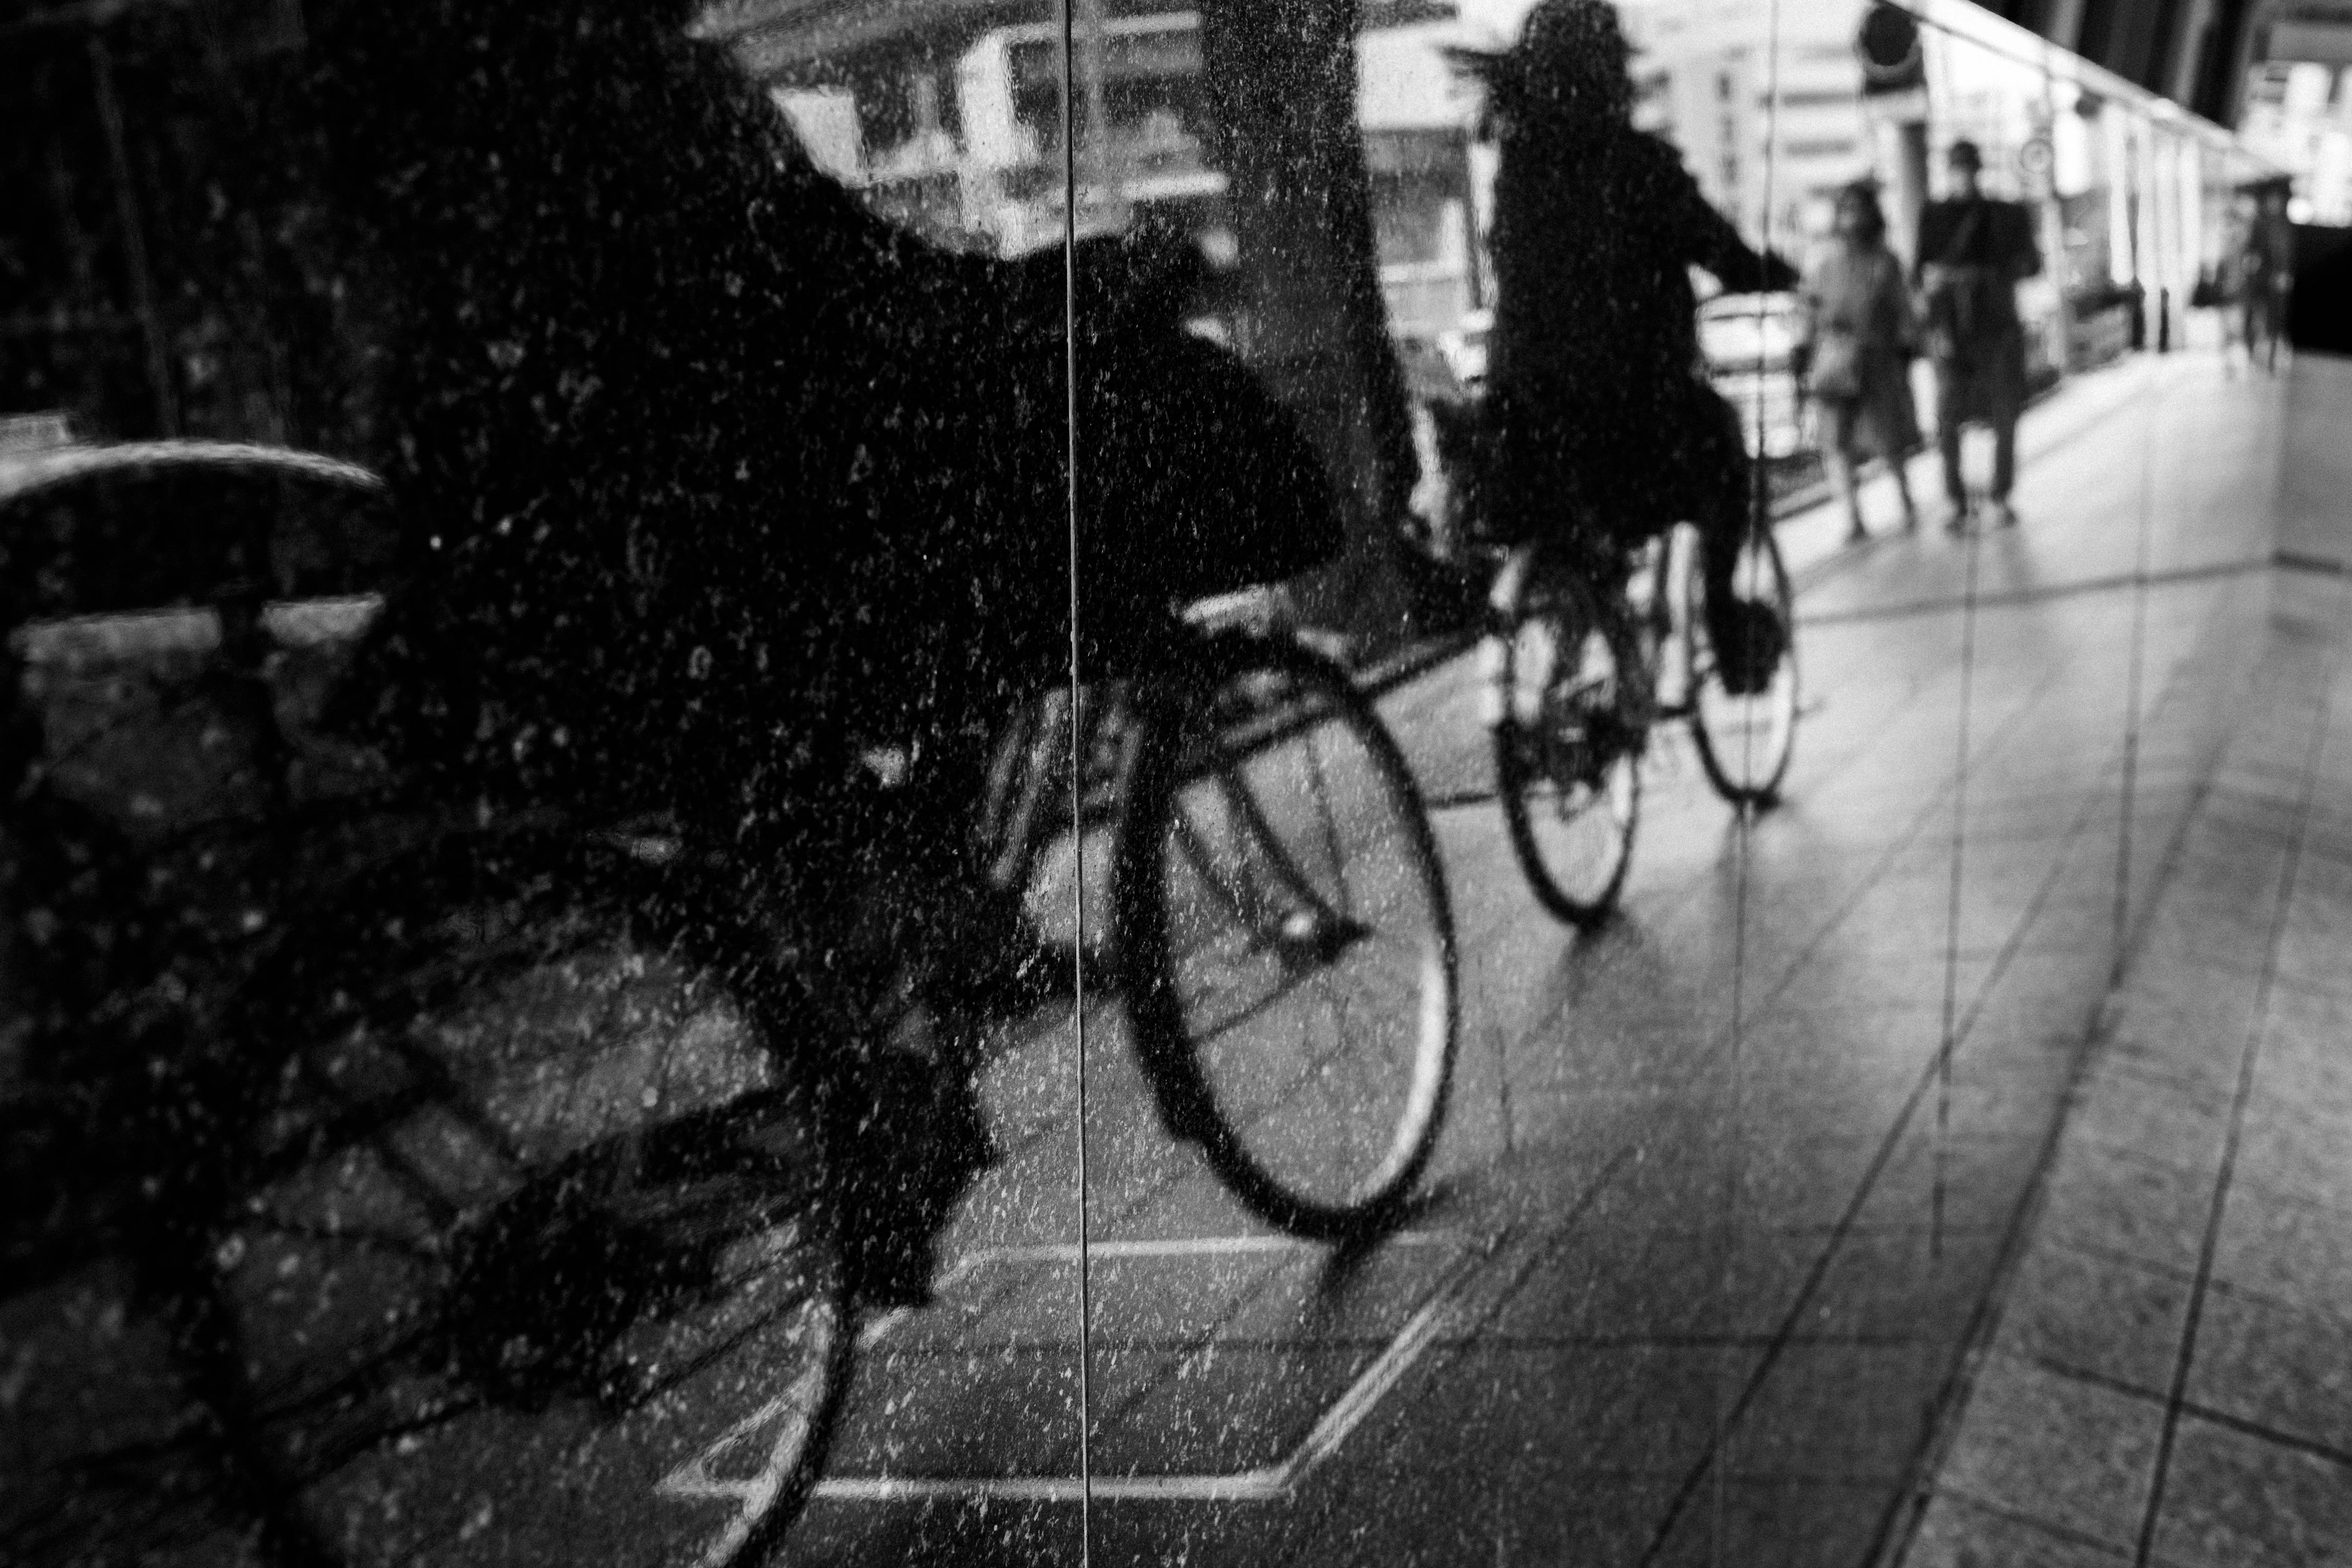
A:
<point x="1859" y="337"/>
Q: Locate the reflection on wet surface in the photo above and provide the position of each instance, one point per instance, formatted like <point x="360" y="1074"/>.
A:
<point x="684" y="955"/>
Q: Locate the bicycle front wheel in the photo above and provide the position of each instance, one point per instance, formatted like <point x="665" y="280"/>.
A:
<point x="1568" y="734"/>
<point x="1744" y="701"/>
<point x="1284" y="936"/>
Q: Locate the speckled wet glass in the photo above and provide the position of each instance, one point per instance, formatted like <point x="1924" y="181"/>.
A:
<point x="1046" y="781"/>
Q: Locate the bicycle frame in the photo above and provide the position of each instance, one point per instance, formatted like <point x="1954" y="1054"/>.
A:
<point x="1655" y="598"/>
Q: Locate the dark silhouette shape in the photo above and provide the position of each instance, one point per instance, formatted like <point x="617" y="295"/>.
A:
<point x="714" y="478"/>
<point x="701" y="453"/>
<point x="2320" y="317"/>
<point x="705" y="480"/>
<point x="1972" y="253"/>
<point x="1607" y="429"/>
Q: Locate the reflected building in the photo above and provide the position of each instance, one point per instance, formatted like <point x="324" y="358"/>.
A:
<point x="1432" y="180"/>
<point x="2299" y="115"/>
<point x="1770" y="133"/>
<point x="949" y="119"/>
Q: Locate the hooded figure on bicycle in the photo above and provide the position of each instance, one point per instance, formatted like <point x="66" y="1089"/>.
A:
<point x="1606" y="431"/>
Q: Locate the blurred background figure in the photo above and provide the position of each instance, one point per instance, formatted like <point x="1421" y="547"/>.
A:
<point x="1973" y="251"/>
<point x="1854" y="354"/>
<point x="2265" y="273"/>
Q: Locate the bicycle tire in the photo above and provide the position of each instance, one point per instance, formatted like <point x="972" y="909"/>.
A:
<point x="1268" y="1112"/>
<point x="1746" y="742"/>
<point x="476" y="1285"/>
<point x="1567" y="740"/>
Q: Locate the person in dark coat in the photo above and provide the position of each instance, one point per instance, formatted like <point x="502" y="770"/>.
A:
<point x="1972" y="253"/>
<point x="713" y="480"/>
<point x="1607" y="429"/>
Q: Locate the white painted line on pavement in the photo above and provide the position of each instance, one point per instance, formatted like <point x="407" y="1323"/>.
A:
<point x="1191" y="1247"/>
<point x="1267" y="1483"/>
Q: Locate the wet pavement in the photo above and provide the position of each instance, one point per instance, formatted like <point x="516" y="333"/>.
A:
<point x="1760" y="1228"/>
<point x="2165" y="1380"/>
<point x="1722" y="1217"/>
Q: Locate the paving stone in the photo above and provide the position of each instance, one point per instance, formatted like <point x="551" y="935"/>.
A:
<point x="2153" y="1118"/>
<point x="1842" y="1413"/>
<point x="2292" y="1251"/>
<point x="1912" y="1284"/>
<point x="2292" y="1147"/>
<point x="2219" y="937"/>
<point x="2277" y="1366"/>
<point x="2122" y="1203"/>
<point x="2183" y="1022"/>
<point x="2303" y="1059"/>
<point x="1573" y="1445"/>
<point x="1803" y="1523"/>
<point x="2097" y="1315"/>
<point x="989" y="1411"/>
<point x="1218" y="1411"/>
<point x="2020" y="1097"/>
<point x="1813" y="1182"/>
<point x="2056" y="1450"/>
<point x="2233" y="1500"/>
<point x="1956" y="1532"/>
<point x="1633" y="1282"/>
<point x="1957" y="1180"/>
<point x="934" y="1534"/>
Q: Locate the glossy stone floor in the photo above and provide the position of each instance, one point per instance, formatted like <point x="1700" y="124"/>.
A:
<point x="2165" y="1380"/>
<point x="1727" y="1186"/>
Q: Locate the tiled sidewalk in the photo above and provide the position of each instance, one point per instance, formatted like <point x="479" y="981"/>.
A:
<point x="2170" y="1380"/>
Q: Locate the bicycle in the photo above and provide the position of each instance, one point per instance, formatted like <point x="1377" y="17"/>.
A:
<point x="1232" y="779"/>
<point x="441" y="1164"/>
<point x="1570" y="691"/>
<point x="1575" y="647"/>
<point x="449" y="1162"/>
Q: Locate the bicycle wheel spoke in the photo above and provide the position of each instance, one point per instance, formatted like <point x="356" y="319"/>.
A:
<point x="1321" y="795"/>
<point x="532" y="1292"/>
<point x="1567" y="744"/>
<point x="1300" y="927"/>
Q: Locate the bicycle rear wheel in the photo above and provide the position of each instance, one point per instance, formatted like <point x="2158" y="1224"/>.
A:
<point x="529" y="1261"/>
<point x="1284" y="936"/>
<point x="1568" y="734"/>
<point x="1747" y="735"/>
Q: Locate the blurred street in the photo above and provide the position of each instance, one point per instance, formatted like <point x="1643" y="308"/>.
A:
<point x="1731" y="1190"/>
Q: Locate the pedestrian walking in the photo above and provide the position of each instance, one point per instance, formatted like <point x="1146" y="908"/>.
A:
<point x="2266" y="273"/>
<point x="1857" y="338"/>
<point x="1972" y="253"/>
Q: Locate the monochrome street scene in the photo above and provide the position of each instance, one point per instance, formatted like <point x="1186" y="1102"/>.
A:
<point x="1259" y="781"/>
